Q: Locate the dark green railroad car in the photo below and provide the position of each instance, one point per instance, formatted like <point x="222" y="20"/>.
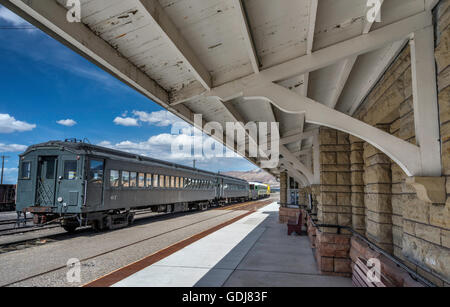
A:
<point x="82" y="184"/>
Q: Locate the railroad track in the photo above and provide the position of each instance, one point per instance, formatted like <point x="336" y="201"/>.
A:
<point x="12" y="221"/>
<point x="253" y="205"/>
<point x="30" y="228"/>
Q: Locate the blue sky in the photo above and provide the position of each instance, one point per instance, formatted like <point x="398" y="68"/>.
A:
<point x="48" y="92"/>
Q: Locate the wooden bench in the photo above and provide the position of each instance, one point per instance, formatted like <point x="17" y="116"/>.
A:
<point x="360" y="279"/>
<point x="296" y="227"/>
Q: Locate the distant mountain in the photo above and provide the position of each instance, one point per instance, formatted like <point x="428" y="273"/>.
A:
<point x="257" y="175"/>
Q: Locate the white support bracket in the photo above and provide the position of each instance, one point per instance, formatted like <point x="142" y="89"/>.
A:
<point x="426" y="114"/>
<point x="405" y="154"/>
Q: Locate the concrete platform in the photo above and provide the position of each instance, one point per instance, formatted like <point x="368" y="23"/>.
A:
<point x="252" y="252"/>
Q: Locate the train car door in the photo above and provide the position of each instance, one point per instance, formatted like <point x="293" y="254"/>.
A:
<point x="46" y="180"/>
<point x="95" y="182"/>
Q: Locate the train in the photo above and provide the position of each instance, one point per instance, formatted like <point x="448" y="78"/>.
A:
<point x="80" y="184"/>
<point x="7" y="197"/>
<point x="258" y="190"/>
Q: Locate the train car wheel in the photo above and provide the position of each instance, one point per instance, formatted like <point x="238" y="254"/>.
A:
<point x="130" y="219"/>
<point x="70" y="228"/>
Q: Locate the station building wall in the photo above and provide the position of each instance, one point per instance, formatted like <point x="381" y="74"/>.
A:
<point x="363" y="188"/>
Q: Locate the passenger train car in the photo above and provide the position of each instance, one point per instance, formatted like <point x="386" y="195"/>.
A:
<point x="83" y="184"/>
<point x="258" y="190"/>
<point x="7" y="197"/>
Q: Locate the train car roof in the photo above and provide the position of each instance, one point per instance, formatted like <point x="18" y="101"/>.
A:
<point x="82" y="148"/>
<point x="258" y="183"/>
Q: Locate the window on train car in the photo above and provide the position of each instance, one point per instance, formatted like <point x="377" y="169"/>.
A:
<point x="141" y="180"/>
<point x="148" y="179"/>
<point x="114" y="179"/>
<point x="155" y="181"/>
<point x="96" y="170"/>
<point x="182" y="183"/>
<point x="50" y="169"/>
<point x="70" y="170"/>
<point x="167" y="181"/>
<point x="25" y="170"/>
<point x="125" y="179"/>
<point x="172" y="181"/>
<point x="177" y="182"/>
<point x="133" y="179"/>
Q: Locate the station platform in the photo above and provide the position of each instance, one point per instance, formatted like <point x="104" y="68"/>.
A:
<point x="254" y="251"/>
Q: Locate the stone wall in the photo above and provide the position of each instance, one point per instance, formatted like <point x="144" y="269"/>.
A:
<point x="396" y="219"/>
<point x="362" y="188"/>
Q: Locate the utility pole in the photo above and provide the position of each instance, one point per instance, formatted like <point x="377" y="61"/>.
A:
<point x="3" y="166"/>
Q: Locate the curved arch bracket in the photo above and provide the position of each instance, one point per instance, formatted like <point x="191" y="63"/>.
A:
<point x="405" y="154"/>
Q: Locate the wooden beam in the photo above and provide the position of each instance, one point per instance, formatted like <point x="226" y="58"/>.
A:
<point x="310" y="40"/>
<point x="246" y="33"/>
<point x="302" y="152"/>
<point x="294" y="173"/>
<point x="426" y="114"/>
<point x="168" y="30"/>
<point x="288" y="156"/>
<point x="376" y="73"/>
<point x="298" y="137"/>
<point x="347" y="67"/>
<point x="324" y="57"/>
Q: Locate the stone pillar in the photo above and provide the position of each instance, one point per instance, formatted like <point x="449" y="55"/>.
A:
<point x="377" y="179"/>
<point x="357" y="180"/>
<point x="315" y="192"/>
<point x="334" y="203"/>
<point x="283" y="187"/>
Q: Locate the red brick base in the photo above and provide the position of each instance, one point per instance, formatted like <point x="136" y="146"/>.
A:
<point x="332" y="251"/>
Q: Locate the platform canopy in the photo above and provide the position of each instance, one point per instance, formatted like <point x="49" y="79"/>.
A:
<point x="302" y="63"/>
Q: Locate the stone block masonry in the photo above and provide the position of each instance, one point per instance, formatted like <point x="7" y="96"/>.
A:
<point x="363" y="189"/>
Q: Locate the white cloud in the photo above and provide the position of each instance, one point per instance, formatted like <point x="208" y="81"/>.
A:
<point x="126" y="121"/>
<point x="12" y="18"/>
<point x="160" y="118"/>
<point x="16" y="21"/>
<point x="67" y="122"/>
<point x="9" y="124"/>
<point x="12" y="147"/>
<point x="160" y="147"/>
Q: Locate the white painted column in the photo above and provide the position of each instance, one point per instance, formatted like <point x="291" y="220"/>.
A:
<point x="426" y="114"/>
